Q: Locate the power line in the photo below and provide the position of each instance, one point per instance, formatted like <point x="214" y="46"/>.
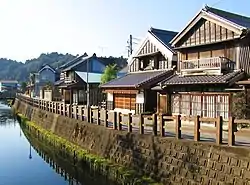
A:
<point x="217" y="2"/>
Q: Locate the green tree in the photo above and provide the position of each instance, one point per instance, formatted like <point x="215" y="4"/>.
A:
<point x="23" y="86"/>
<point x="110" y="73"/>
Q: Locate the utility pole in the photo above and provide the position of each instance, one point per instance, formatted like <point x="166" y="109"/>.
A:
<point x="87" y="83"/>
<point x="130" y="44"/>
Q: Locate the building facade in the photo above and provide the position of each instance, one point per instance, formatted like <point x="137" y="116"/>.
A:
<point x="74" y="77"/>
<point x="213" y="54"/>
<point x="153" y="61"/>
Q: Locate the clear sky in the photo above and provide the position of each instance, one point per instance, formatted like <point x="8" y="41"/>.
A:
<point x="31" y="27"/>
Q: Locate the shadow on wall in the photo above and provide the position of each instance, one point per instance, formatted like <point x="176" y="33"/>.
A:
<point x="161" y="163"/>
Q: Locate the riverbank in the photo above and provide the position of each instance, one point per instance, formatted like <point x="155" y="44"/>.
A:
<point x="61" y="163"/>
<point x="164" y="159"/>
<point x="111" y="171"/>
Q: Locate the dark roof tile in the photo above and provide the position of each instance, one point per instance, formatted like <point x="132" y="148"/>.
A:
<point x="163" y="36"/>
<point x="203" y="79"/>
<point x="235" y="18"/>
<point x="137" y="79"/>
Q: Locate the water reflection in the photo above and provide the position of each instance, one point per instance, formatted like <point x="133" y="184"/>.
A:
<point x="27" y="160"/>
<point x="71" y="173"/>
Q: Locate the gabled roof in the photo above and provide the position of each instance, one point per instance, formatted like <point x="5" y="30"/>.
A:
<point x="67" y="64"/>
<point x="47" y="66"/>
<point x="138" y="79"/>
<point x="79" y="61"/>
<point x="124" y="70"/>
<point x="92" y="77"/>
<point x="163" y="36"/>
<point x="234" y="22"/>
<point x="203" y="79"/>
<point x="160" y="38"/>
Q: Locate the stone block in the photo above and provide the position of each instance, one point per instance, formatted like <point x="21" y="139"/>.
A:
<point x="244" y="164"/>
<point x="215" y="157"/>
<point x="246" y="174"/>
<point x="237" y="171"/>
<point x="218" y="166"/>
<point x="233" y="162"/>
<point x="212" y="174"/>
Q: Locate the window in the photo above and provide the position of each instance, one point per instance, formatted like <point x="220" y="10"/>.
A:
<point x="206" y="105"/>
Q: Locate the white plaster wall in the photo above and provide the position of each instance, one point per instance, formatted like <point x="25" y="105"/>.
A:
<point x="109" y="96"/>
<point x="140" y="98"/>
<point x="124" y="111"/>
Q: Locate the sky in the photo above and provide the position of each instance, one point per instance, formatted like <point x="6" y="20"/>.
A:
<point x="31" y="27"/>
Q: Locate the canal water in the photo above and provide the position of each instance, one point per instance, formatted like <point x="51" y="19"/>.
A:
<point x="26" y="162"/>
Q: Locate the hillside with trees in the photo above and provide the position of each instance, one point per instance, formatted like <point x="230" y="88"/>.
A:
<point x="14" y="70"/>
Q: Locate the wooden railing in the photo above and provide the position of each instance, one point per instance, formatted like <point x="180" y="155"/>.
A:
<point x="207" y="63"/>
<point x="156" y="124"/>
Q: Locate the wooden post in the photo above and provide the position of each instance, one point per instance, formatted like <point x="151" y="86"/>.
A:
<point x="88" y="114"/>
<point x="197" y="128"/>
<point x="119" y="120"/>
<point x="154" y="121"/>
<point x="115" y="121"/>
<point x="105" y="118"/>
<point x="219" y="124"/>
<point x="91" y="114"/>
<point x="231" y="129"/>
<point x="129" y="122"/>
<point x="178" y="126"/>
<point x="162" y="125"/>
<point x="98" y="117"/>
<point x="141" y="124"/>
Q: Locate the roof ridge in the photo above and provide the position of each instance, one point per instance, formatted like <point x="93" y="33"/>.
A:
<point x="208" y="8"/>
<point x="162" y="30"/>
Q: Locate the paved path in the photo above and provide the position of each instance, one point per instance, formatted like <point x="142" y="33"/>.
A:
<point x="242" y="139"/>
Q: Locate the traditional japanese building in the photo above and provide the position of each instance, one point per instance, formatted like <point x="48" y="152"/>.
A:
<point x="74" y="77"/>
<point x="213" y="54"/>
<point x="153" y="61"/>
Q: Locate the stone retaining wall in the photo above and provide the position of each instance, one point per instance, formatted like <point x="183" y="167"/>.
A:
<point x="164" y="159"/>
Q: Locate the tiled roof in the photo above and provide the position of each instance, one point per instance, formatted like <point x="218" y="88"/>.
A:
<point x="203" y="79"/>
<point x="163" y="36"/>
<point x="235" y="18"/>
<point x="78" y="58"/>
<point x="137" y="79"/>
<point x="92" y="77"/>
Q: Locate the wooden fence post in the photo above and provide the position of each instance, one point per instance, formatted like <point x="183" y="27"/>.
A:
<point x="231" y="129"/>
<point x="129" y="122"/>
<point x="119" y="120"/>
<point x="178" y="126"/>
<point x="219" y="124"/>
<point x="91" y="113"/>
<point x="105" y="118"/>
<point x="98" y="122"/>
<point x="197" y="128"/>
<point x="141" y="124"/>
<point x="115" y="120"/>
<point x="88" y="114"/>
<point x="162" y="125"/>
<point x="154" y="120"/>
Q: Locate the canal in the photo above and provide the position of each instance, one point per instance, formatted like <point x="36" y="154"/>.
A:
<point x="24" y="160"/>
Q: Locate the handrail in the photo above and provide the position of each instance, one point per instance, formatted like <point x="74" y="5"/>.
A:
<point x="157" y="124"/>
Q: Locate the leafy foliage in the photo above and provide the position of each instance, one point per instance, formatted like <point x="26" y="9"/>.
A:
<point x="23" y="86"/>
<point x="110" y="73"/>
<point x="13" y="70"/>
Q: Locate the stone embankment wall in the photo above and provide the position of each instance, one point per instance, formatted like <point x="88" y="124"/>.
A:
<point x="164" y="159"/>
